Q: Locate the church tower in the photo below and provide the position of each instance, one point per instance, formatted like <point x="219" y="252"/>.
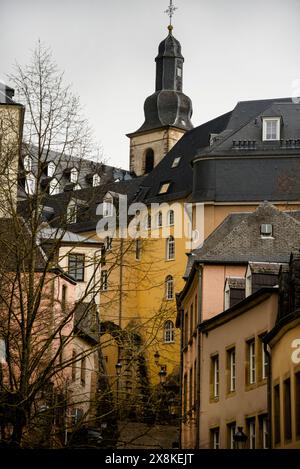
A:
<point x="167" y="111"/>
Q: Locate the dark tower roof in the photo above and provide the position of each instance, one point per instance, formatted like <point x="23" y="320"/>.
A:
<point x="168" y="106"/>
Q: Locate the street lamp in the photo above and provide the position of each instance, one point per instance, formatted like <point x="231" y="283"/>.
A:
<point x="240" y="439"/>
<point x="162" y="375"/>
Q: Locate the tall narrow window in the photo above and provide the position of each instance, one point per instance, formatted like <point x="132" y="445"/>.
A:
<point x="104" y="280"/>
<point x="96" y="180"/>
<point x="251" y="361"/>
<point x="2" y="351"/>
<point x="191" y="319"/>
<point x="215" y="438"/>
<point x="149" y="160"/>
<point x="232" y="369"/>
<point x="74" y="366"/>
<point x="251" y="432"/>
<point x="30" y="184"/>
<point x="264" y="362"/>
<point x="276" y="394"/>
<point x="64" y="298"/>
<point x="215" y="376"/>
<point x="27" y="162"/>
<point x="287" y="409"/>
<point x="195" y="384"/>
<point x="169" y="332"/>
<point x="138" y="249"/>
<point x="170" y="217"/>
<point x="108" y="243"/>
<point x="83" y="371"/>
<point x="74" y="175"/>
<point x="196" y="311"/>
<point x="72" y="213"/>
<point x="76" y="266"/>
<point x="51" y="169"/>
<point x="230" y="435"/>
<point x="170" y="248"/>
<point x="159" y="219"/>
<point x="186" y="329"/>
<point x="263" y="428"/>
<point x="54" y="187"/>
<point x="191" y="389"/>
<point x="169" y="287"/>
<point x="184" y="395"/>
<point x="108" y="207"/>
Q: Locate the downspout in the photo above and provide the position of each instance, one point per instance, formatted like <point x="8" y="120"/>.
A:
<point x="199" y="337"/>
<point x="181" y="372"/>
<point x="269" y="396"/>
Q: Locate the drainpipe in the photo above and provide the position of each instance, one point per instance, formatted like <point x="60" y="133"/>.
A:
<point x="181" y="372"/>
<point x="269" y="396"/>
<point x="199" y="337"/>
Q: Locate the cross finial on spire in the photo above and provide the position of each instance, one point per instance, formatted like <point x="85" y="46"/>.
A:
<point x="170" y="12"/>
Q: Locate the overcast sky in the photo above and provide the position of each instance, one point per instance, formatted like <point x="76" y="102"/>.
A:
<point x="234" y="50"/>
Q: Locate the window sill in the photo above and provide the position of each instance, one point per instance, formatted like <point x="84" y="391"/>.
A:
<point x="214" y="400"/>
<point x="169" y="342"/>
<point x="168" y="260"/>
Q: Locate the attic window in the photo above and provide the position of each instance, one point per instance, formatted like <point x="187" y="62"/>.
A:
<point x="164" y="187"/>
<point x="179" y="72"/>
<point x="176" y="162"/>
<point x="271" y="129"/>
<point x="96" y="180"/>
<point x="51" y="169"/>
<point x="74" y="175"/>
<point x="266" y="230"/>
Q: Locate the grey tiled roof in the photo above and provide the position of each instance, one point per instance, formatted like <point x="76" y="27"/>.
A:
<point x="238" y="239"/>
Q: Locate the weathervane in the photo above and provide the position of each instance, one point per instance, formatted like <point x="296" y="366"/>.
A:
<point x="170" y="11"/>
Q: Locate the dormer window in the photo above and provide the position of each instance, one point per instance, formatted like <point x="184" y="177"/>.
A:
<point x="27" y="163"/>
<point x="77" y="187"/>
<point x="54" y="187"/>
<point x="74" y="175"/>
<point x="266" y="230"/>
<point x="176" y="162"/>
<point x="51" y="169"/>
<point x="96" y="180"/>
<point x="164" y="187"/>
<point x="72" y="212"/>
<point x="30" y="183"/>
<point x="108" y="206"/>
<point x="271" y="129"/>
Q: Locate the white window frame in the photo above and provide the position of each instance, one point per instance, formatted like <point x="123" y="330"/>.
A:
<point x="232" y="363"/>
<point x="252" y="434"/>
<point x="74" y="175"/>
<point x="27" y="163"/>
<point x="54" y="187"/>
<point x="265" y="433"/>
<point x="216" y="376"/>
<point x="30" y="184"/>
<point x="267" y="137"/>
<point x="171" y="217"/>
<point x="176" y="162"/>
<point x="170" y="248"/>
<point x="169" y="287"/>
<point x="169" y="332"/>
<point x="51" y="167"/>
<point x="216" y="438"/>
<point x="96" y="180"/>
<point x="264" y="362"/>
<point x="72" y="213"/>
<point x="252" y="361"/>
<point x="108" y="206"/>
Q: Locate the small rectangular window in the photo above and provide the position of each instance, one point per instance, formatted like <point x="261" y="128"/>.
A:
<point x="104" y="281"/>
<point x="266" y="229"/>
<point x="287" y="409"/>
<point x="276" y="394"/>
<point x="252" y="361"/>
<point x="271" y="129"/>
<point x="231" y="364"/>
<point x="179" y="72"/>
<point x="176" y="162"/>
<point x="164" y="187"/>
<point x="215" y="438"/>
<point x="76" y="266"/>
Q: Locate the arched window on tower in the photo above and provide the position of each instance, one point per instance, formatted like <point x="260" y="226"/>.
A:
<point x="169" y="334"/>
<point x="169" y="285"/>
<point x="149" y="160"/>
<point x="170" y="248"/>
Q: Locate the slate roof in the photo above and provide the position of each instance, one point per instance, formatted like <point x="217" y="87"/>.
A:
<point x="238" y="239"/>
<point x="64" y="163"/>
<point x="87" y="199"/>
<point x="236" y="282"/>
